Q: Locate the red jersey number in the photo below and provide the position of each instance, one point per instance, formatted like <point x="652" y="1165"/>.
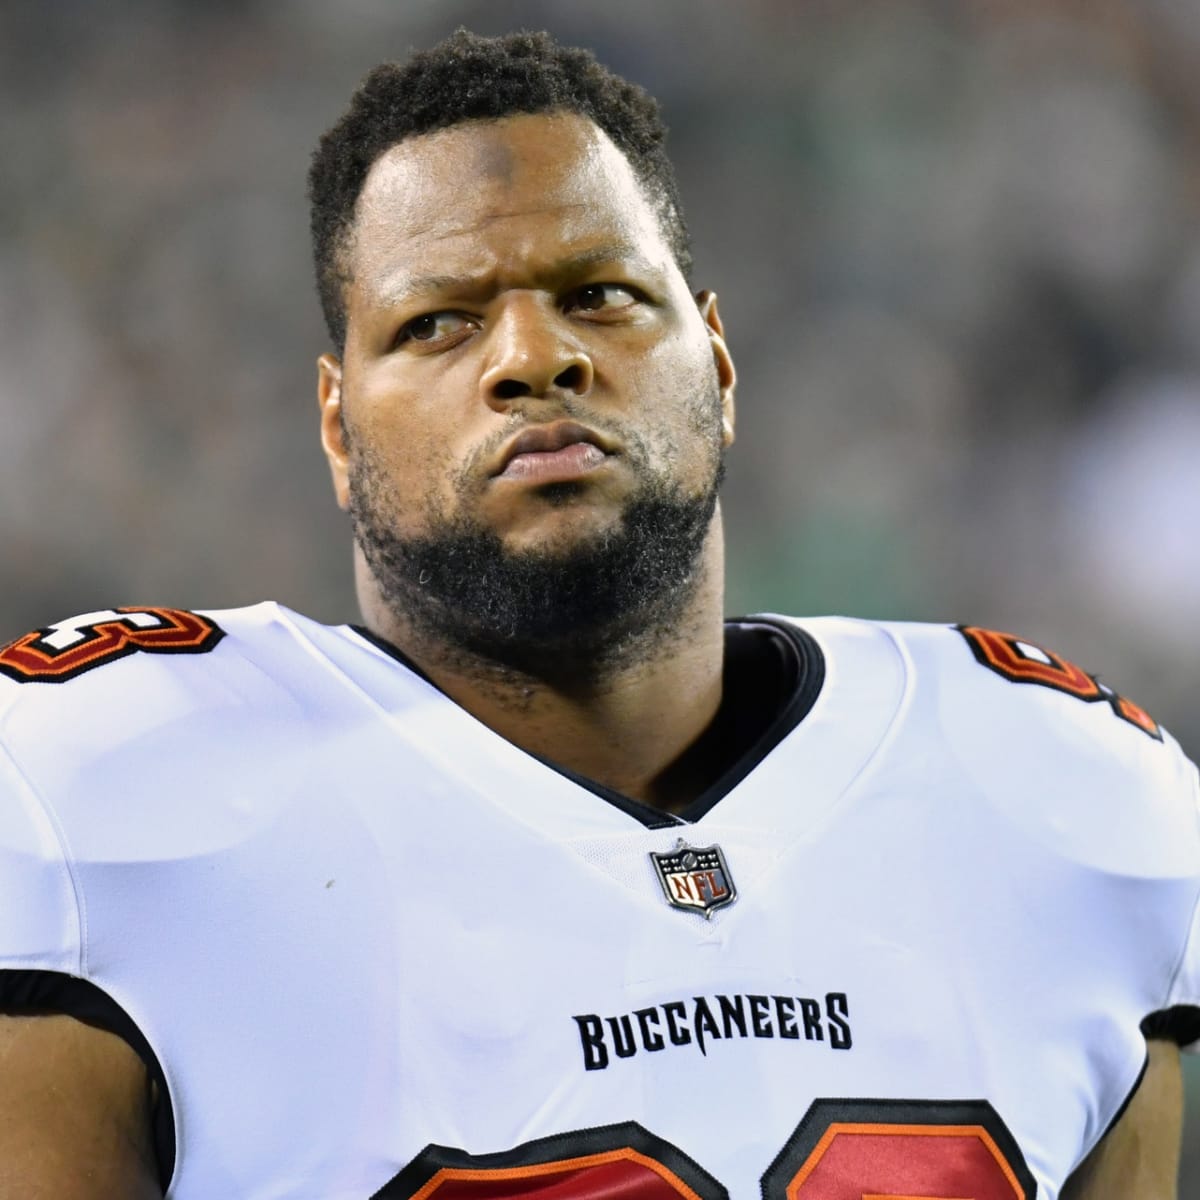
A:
<point x="612" y="1162"/>
<point x="1021" y="661"/>
<point x="68" y="649"/>
<point x="841" y="1150"/>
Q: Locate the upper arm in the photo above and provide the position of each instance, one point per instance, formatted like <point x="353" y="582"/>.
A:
<point x="1139" y="1156"/>
<point x="75" y="1114"/>
<point x="75" y="1100"/>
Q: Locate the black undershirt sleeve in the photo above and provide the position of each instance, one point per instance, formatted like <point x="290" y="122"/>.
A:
<point x="1180" y="1024"/>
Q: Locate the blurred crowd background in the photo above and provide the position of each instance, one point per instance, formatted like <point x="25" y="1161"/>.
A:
<point x="957" y="247"/>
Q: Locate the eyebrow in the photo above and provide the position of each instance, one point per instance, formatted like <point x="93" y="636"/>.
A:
<point x="402" y="286"/>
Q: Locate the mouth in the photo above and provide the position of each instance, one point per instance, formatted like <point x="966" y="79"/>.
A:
<point x="553" y="453"/>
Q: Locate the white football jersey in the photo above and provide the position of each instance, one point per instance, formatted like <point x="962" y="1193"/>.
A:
<point x="369" y="948"/>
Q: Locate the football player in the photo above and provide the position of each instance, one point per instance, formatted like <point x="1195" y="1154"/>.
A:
<point x="545" y="878"/>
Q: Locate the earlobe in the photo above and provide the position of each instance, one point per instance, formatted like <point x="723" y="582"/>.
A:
<point x="706" y="302"/>
<point x="333" y="431"/>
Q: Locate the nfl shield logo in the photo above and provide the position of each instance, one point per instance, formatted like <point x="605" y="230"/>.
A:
<point x="695" y="878"/>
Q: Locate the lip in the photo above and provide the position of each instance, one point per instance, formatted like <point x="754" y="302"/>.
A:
<point x="547" y="439"/>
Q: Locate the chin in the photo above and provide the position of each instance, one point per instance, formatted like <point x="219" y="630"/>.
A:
<point x="562" y="532"/>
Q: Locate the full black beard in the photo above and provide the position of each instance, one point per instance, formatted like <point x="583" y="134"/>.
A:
<point x="543" y="613"/>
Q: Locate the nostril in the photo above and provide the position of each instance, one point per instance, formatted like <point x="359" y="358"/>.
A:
<point x="511" y="389"/>
<point x="571" y="379"/>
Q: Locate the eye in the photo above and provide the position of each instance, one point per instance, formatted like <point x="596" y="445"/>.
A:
<point x="432" y="327"/>
<point x="603" y="297"/>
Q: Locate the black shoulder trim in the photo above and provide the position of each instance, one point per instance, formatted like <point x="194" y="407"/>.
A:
<point x="28" y="993"/>
<point x="1180" y="1024"/>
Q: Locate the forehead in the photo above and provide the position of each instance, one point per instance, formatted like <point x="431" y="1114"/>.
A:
<point x="498" y="195"/>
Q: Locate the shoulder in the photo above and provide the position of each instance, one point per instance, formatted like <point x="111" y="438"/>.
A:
<point x="131" y="646"/>
<point x="115" y="651"/>
<point x="124" y="660"/>
<point x="83" y="695"/>
<point x="1029" y="713"/>
<point x="136" y="733"/>
<point x="90" y="704"/>
<point x="1055" y="747"/>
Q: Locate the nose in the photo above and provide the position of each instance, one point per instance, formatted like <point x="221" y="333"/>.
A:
<point x="534" y="353"/>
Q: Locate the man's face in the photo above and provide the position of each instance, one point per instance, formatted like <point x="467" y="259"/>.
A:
<point x="524" y="365"/>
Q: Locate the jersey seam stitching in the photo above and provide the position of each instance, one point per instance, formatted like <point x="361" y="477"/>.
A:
<point x="1109" y="1118"/>
<point x="902" y="703"/>
<point x="1193" y="919"/>
<point x="65" y="861"/>
<point x="347" y="680"/>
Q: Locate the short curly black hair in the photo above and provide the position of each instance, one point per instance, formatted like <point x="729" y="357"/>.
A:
<point x="472" y="78"/>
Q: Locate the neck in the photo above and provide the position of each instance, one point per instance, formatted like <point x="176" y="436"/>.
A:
<point x="634" y="723"/>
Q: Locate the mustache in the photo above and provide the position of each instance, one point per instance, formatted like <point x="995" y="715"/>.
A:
<point x="633" y="445"/>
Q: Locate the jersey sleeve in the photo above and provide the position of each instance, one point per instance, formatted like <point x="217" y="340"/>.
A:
<point x="39" y="915"/>
<point x="1090" y="779"/>
<point x="1180" y="1019"/>
<point x="41" y="939"/>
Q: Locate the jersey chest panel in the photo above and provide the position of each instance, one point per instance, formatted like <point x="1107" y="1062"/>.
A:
<point x="494" y="985"/>
<point x="367" y="925"/>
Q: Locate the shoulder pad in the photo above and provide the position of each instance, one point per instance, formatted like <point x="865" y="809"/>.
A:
<point x="1082" y="767"/>
<point x="39" y="919"/>
<point x="67" y="649"/>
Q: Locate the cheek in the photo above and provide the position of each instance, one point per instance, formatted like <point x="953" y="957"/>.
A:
<point x="396" y="442"/>
<point x="388" y="473"/>
<point x="679" y="392"/>
<point x="418" y="424"/>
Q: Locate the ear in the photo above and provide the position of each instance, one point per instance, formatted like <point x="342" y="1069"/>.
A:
<point x="706" y="302"/>
<point x="333" y="433"/>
